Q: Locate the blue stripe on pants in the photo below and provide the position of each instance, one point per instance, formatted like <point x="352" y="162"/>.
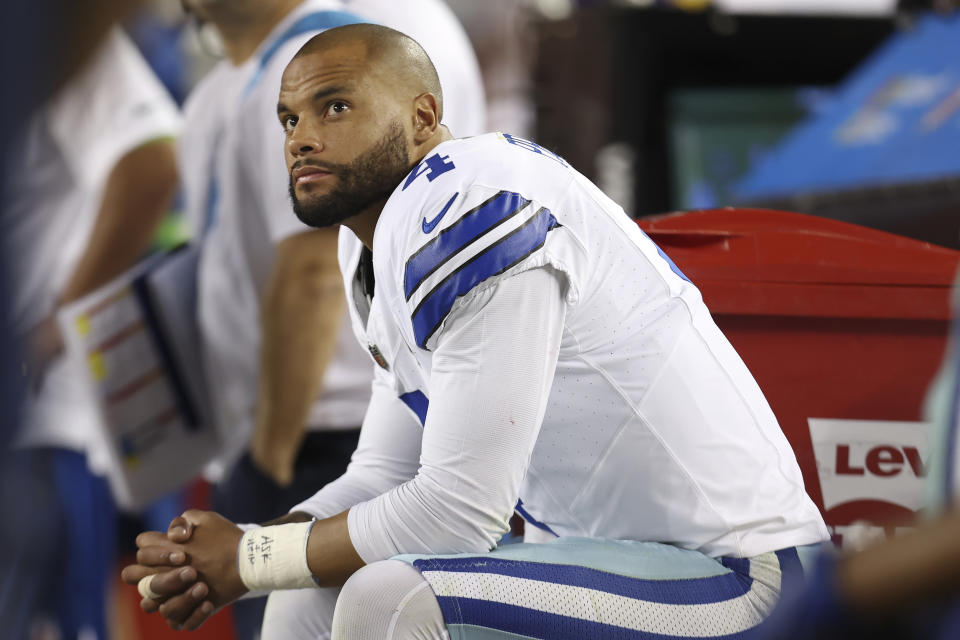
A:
<point x="543" y="626"/>
<point x="685" y="591"/>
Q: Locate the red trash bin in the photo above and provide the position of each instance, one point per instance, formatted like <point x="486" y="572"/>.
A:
<point x="843" y="327"/>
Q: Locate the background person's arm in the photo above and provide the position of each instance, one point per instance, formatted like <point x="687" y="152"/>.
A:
<point x="302" y="310"/>
<point x="134" y="201"/>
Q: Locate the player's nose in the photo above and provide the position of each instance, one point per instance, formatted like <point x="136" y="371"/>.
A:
<point x="304" y="142"/>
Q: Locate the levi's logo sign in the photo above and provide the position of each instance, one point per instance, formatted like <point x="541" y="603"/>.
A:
<point x="882" y="461"/>
<point x="870" y="460"/>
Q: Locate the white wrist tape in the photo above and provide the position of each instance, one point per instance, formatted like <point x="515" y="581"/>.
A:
<point x="275" y="557"/>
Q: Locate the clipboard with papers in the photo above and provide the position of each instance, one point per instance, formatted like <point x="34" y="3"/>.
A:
<point x="139" y="348"/>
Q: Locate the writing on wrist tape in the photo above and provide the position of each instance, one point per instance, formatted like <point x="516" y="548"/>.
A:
<point x="275" y="557"/>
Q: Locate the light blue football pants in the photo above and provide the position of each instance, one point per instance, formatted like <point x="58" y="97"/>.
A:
<point x="566" y="589"/>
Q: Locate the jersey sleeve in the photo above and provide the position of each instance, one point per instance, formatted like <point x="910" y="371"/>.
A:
<point x="480" y="238"/>
<point x="489" y="383"/>
<point x="112" y="106"/>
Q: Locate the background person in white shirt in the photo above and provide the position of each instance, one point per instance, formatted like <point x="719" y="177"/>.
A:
<point x="91" y="178"/>
<point x="538" y="352"/>
<point x="289" y="382"/>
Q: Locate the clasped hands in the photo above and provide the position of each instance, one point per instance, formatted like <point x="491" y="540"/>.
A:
<point x="194" y="568"/>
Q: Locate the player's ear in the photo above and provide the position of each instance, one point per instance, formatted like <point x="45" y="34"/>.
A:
<point x="426" y="117"/>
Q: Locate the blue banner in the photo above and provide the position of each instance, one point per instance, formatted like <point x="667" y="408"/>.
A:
<point x="895" y="120"/>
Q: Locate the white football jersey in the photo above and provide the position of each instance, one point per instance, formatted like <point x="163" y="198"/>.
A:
<point x="650" y="428"/>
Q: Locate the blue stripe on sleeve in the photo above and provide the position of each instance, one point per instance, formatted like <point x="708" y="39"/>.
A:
<point x="418" y="403"/>
<point x="706" y="590"/>
<point x="495" y="259"/>
<point x="471" y="226"/>
<point x="532" y="623"/>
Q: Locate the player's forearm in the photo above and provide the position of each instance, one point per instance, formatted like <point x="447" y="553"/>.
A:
<point x="302" y="312"/>
<point x="331" y="555"/>
<point x="135" y="199"/>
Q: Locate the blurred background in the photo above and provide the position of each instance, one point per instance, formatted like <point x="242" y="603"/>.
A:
<point x="847" y="110"/>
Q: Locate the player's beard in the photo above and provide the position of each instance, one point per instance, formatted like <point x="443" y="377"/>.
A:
<point x="369" y="179"/>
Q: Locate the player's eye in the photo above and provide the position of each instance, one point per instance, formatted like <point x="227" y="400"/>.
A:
<point x="336" y="108"/>
<point x="289" y="122"/>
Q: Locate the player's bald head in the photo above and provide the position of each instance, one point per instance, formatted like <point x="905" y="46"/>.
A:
<point x="392" y="56"/>
<point x="360" y="106"/>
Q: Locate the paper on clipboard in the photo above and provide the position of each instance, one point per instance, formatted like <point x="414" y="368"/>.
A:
<point x="138" y="344"/>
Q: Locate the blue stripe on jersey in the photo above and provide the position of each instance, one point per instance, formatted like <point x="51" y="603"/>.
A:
<point x="669" y="591"/>
<point x="529" y="519"/>
<point x="459" y="235"/>
<point x="470" y="227"/>
<point x="495" y="259"/>
<point x="418" y="403"/>
<point x="533" y="623"/>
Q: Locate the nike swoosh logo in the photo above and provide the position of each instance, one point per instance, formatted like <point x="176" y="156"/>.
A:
<point x="430" y="225"/>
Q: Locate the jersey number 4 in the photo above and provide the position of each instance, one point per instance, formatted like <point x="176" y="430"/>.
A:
<point x="433" y="166"/>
